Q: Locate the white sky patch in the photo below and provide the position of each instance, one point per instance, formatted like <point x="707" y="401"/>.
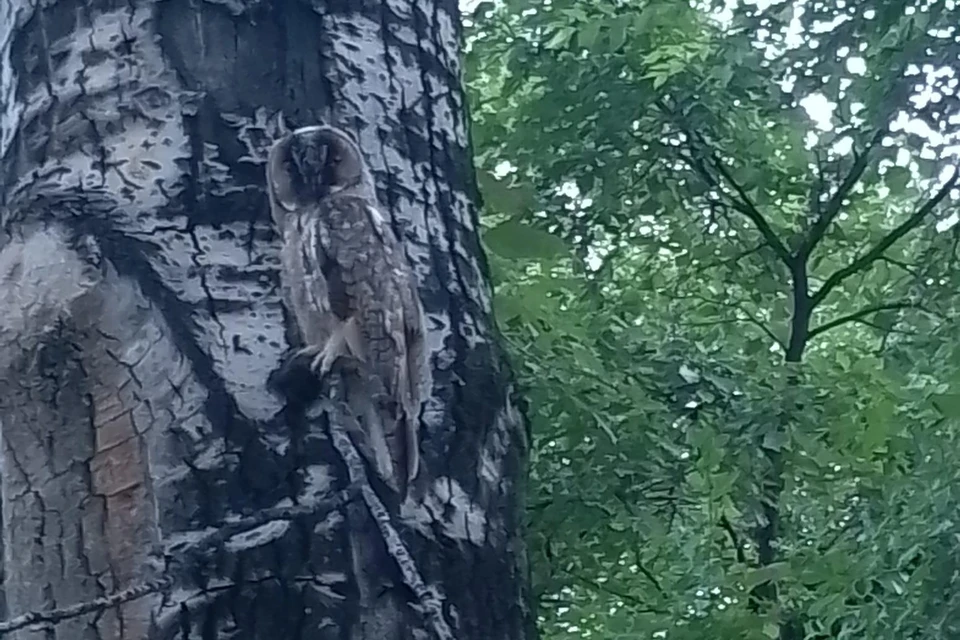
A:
<point x="793" y="38"/>
<point x="903" y="122"/>
<point x="903" y="158"/>
<point x="503" y="169"/>
<point x="569" y="189"/>
<point x="467" y="6"/>
<point x="843" y="146"/>
<point x="857" y="65"/>
<point x="820" y="110"/>
<point x="725" y="15"/>
<point x="948" y="223"/>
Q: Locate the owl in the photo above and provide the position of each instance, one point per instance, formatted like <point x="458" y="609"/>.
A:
<point x="346" y="280"/>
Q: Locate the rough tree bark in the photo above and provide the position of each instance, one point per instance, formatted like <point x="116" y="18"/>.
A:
<point x="144" y="458"/>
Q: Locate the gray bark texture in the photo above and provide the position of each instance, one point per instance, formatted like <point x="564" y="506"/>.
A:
<point x="152" y="485"/>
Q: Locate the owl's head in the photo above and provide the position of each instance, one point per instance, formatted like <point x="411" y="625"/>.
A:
<point x="311" y="163"/>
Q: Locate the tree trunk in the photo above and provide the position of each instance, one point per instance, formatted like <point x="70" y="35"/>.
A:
<point x="152" y="485"/>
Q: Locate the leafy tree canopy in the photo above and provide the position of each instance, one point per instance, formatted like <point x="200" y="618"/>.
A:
<point x="725" y="245"/>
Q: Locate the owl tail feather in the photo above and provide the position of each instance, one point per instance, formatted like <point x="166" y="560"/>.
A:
<point x="411" y="431"/>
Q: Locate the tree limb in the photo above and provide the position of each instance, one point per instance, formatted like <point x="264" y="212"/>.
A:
<point x="750" y="318"/>
<point x="637" y="559"/>
<point x="430" y="606"/>
<point x="607" y="589"/>
<point x="113" y="600"/>
<point x="731" y="305"/>
<point x="208" y="541"/>
<point x="832" y="208"/>
<point x="723" y="262"/>
<point x="902" y="265"/>
<point x="750" y="210"/>
<point x="888" y="241"/>
<point x="857" y="316"/>
<point x="734" y="539"/>
<point x="744" y="205"/>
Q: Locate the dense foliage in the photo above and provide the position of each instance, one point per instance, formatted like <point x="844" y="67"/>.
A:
<point x="726" y="263"/>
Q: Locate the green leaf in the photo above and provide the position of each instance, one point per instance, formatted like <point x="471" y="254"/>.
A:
<point x="588" y="34"/>
<point x="723" y="75"/>
<point x="516" y="240"/>
<point x="505" y="195"/>
<point x="775" y="440"/>
<point x="619" y="28"/>
<point x="560" y="39"/>
<point x="897" y="178"/>
<point x="510" y="307"/>
<point x="770" y="573"/>
<point x="868" y="469"/>
<point x="948" y="404"/>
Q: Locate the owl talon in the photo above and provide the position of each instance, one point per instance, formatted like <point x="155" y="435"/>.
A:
<point x="321" y="364"/>
<point x="306" y="351"/>
<point x="324" y="360"/>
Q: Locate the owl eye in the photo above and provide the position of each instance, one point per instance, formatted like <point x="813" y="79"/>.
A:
<point x="337" y="157"/>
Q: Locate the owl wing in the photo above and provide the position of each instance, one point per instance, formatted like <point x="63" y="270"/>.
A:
<point x="323" y="284"/>
<point x="414" y="338"/>
<point x="407" y="317"/>
<point x="370" y="279"/>
<point x="411" y="370"/>
<point x="413" y="385"/>
<point x="355" y="255"/>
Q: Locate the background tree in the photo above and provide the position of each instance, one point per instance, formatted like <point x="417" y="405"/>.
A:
<point x="146" y="467"/>
<point x="725" y="245"/>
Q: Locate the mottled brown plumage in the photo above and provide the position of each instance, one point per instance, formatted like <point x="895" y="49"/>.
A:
<point x="346" y="278"/>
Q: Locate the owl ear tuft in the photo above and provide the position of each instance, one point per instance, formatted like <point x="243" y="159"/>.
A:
<point x="351" y="136"/>
<point x="279" y="181"/>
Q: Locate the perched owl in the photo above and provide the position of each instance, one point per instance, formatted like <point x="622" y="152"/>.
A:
<point x="346" y="278"/>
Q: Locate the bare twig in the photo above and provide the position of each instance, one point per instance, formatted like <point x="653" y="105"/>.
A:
<point x="430" y="605"/>
<point x="210" y="539"/>
<point x="607" y="589"/>
<point x="113" y="600"/>
<point x="214" y="537"/>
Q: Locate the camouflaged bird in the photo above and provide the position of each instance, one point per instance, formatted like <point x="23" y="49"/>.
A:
<point x="346" y="279"/>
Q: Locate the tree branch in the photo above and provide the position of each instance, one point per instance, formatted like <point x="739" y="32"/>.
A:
<point x="857" y="316"/>
<point x="431" y="607"/>
<point x="899" y="263"/>
<point x="832" y="208"/>
<point x="877" y="251"/>
<point x="750" y="318"/>
<point x="747" y="208"/>
<point x="744" y="205"/>
<point x="734" y="539"/>
<point x="113" y="600"/>
<point x="736" y="305"/>
<point x="190" y="549"/>
<point x="611" y="591"/>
